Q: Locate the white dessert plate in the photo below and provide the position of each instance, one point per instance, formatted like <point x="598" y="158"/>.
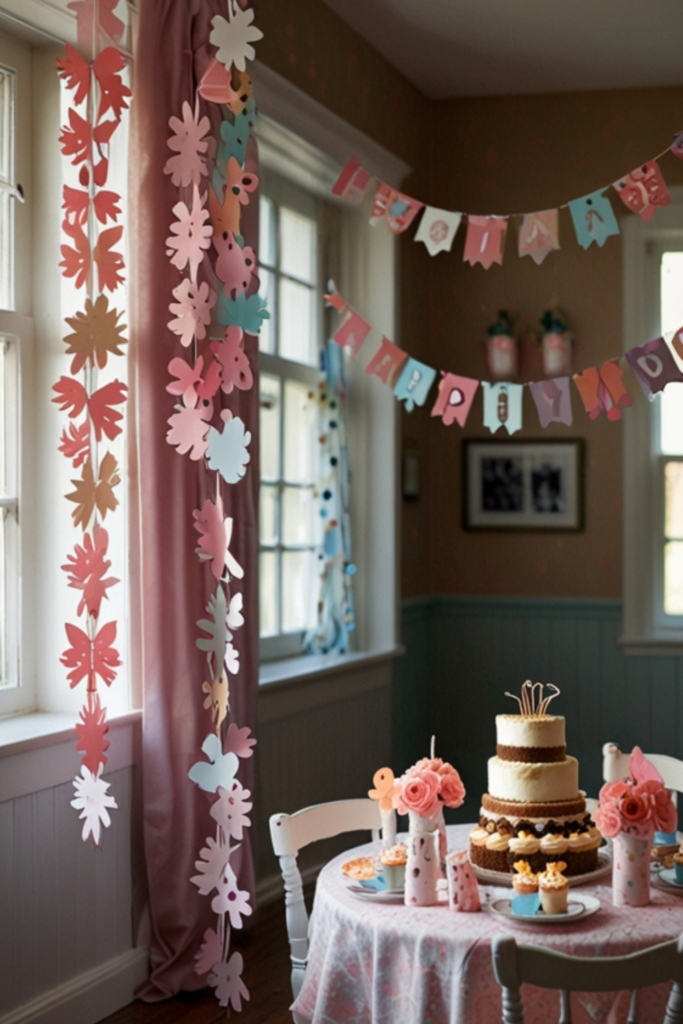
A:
<point x="578" y="907"/>
<point x="667" y="876"/>
<point x="503" y="878"/>
<point x="377" y="895"/>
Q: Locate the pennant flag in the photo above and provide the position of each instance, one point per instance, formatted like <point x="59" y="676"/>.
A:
<point x="654" y="366"/>
<point x="553" y="401"/>
<point x="502" y="406"/>
<point x="456" y="395"/>
<point x="539" y="235"/>
<point x="603" y="389"/>
<point x="334" y="299"/>
<point x="676" y="340"/>
<point x="643" y="189"/>
<point x="399" y="210"/>
<point x="387" y="362"/>
<point x="437" y="229"/>
<point x="352" y="183"/>
<point x="594" y="219"/>
<point x="484" y="240"/>
<point x="676" y="146"/>
<point x="414" y="383"/>
<point x="352" y="332"/>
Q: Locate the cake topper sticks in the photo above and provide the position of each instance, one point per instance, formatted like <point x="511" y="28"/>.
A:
<point x="532" y="703"/>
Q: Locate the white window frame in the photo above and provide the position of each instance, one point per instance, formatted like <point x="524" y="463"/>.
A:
<point x="301" y="139"/>
<point x="645" y="629"/>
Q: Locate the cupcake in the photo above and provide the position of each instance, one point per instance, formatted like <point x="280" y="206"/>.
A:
<point x="678" y="865"/>
<point x="393" y="863"/>
<point x="553" y="889"/>
<point x="524" y="881"/>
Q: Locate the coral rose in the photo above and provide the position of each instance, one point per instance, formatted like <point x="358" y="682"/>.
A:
<point x="419" y="793"/>
<point x="451" y="789"/>
<point x="664" y="811"/>
<point x="608" y="820"/>
<point x="636" y="812"/>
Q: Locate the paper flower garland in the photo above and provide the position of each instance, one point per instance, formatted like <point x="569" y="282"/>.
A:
<point x="214" y="306"/>
<point x="92" y="259"/>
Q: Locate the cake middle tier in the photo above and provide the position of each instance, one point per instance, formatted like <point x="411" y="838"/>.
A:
<point x="534" y="783"/>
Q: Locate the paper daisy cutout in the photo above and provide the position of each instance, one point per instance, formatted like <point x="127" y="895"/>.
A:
<point x="239" y="741"/>
<point x="231" y="810"/>
<point x="92" y="801"/>
<point x="227" y="451"/>
<point x="234" y="38"/>
<point x="188" y="166"/>
<point x="214" y="857"/>
<point x="191" y="235"/>
<point x="230" y="899"/>
<point x="226" y="978"/>
<point x="192" y="311"/>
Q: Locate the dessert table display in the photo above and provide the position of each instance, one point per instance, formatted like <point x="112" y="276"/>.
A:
<point x="374" y="960"/>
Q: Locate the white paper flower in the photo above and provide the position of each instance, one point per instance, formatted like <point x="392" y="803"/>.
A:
<point x="92" y="801"/>
<point x="233" y="38"/>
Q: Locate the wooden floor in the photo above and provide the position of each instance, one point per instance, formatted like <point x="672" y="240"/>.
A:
<point x="266" y="975"/>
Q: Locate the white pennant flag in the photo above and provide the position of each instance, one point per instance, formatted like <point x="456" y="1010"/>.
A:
<point x="437" y="229"/>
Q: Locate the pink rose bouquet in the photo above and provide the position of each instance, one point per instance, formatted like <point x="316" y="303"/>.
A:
<point x="428" y="787"/>
<point x="638" y="805"/>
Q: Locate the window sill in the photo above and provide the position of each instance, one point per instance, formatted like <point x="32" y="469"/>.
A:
<point x="652" y="646"/>
<point x="309" y="667"/>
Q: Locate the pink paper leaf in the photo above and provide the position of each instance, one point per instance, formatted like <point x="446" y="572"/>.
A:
<point x="191" y="235"/>
<point x="75" y="262"/>
<point x="76" y="138"/>
<point x="71" y="396"/>
<point x="210" y="952"/>
<point x="240" y="741"/>
<point x="114" y="95"/>
<point x="214" y="857"/>
<point x="104" y="417"/>
<point x="188" y="166"/>
<point x="226" y="978"/>
<point x="109" y="262"/>
<point x="231" y="810"/>
<point x="76" y="443"/>
<point x="92" y="731"/>
<point x="75" y="71"/>
<point x="86" y="569"/>
<point x="189" y="430"/>
<point x="235" y="367"/>
<point x="192" y="311"/>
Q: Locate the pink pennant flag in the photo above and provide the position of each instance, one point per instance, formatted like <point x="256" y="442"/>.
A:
<point x="553" y="401"/>
<point x="603" y="389"/>
<point x="654" y="366"/>
<point x="387" y="363"/>
<point x="352" y="183"/>
<point x="455" y="398"/>
<point x="398" y="209"/>
<point x="352" y="332"/>
<point x="334" y="299"/>
<point x="539" y="235"/>
<point x="643" y="189"/>
<point x="485" y="240"/>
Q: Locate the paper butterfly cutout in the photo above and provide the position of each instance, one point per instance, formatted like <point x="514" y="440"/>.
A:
<point x="220" y="770"/>
<point x="385" y="788"/>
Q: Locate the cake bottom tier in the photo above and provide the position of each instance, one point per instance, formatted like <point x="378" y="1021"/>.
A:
<point x="579" y="862"/>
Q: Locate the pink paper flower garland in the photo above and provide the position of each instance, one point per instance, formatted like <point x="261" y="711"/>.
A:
<point x="214" y="305"/>
<point x="91" y="211"/>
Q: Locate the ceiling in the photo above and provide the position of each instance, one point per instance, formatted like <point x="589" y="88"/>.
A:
<point x="450" y="48"/>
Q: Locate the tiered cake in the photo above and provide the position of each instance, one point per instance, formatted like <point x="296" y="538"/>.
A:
<point x="534" y="809"/>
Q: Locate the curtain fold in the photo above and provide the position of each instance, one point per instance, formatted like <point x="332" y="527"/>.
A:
<point x="170" y="588"/>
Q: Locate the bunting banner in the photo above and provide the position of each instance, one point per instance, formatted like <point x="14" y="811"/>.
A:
<point x="641" y="191"/>
<point x="601" y="389"/>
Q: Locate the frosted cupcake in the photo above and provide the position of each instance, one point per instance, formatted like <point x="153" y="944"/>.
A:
<point x="524" y="881"/>
<point x="553" y="888"/>
<point x="393" y="863"/>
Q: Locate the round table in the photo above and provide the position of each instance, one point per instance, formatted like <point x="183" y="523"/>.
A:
<point x="374" y="962"/>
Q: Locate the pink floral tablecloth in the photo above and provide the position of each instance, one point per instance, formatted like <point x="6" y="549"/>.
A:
<point x="385" y="963"/>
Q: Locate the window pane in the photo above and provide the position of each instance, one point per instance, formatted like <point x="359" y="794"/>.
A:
<point x="270" y="427"/>
<point x="268" y="514"/>
<point x="298" y="590"/>
<point x="671" y="398"/>
<point x="298" y="245"/>
<point x="268" y="603"/>
<point x="296" y="323"/>
<point x="673" y="578"/>
<point x="301" y="433"/>
<point x="298" y="514"/>
<point x="6" y="176"/>
<point x="673" y="506"/>
<point x="266" y="338"/>
<point x="266" y="237"/>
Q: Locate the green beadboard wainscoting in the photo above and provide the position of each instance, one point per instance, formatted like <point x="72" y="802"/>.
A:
<point x="463" y="653"/>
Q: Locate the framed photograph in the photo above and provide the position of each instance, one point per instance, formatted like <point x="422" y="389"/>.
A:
<point x="523" y="485"/>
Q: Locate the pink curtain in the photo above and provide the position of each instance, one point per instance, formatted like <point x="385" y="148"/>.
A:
<point x="170" y="587"/>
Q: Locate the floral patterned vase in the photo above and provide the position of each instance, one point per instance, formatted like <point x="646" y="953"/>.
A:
<point x="423" y="868"/>
<point x="631" y="870"/>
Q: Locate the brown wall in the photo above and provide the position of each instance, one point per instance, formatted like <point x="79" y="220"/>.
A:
<point x="493" y="155"/>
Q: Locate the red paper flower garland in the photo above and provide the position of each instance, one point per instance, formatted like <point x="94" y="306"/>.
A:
<point x="90" y="256"/>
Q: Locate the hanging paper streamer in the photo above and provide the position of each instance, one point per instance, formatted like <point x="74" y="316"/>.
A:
<point x="353" y="182"/>
<point x="594" y="219"/>
<point x="92" y="257"/>
<point x="414" y="383"/>
<point x="456" y="395"/>
<point x="654" y="366"/>
<point x="553" y="401"/>
<point x="603" y="389"/>
<point x="437" y="229"/>
<point x="352" y="332"/>
<point x="502" y="406"/>
<point x="206" y="244"/>
<point x="644" y="189"/>
<point x="398" y="210"/>
<point x="484" y="240"/>
<point x="387" y="363"/>
<point x="539" y="235"/>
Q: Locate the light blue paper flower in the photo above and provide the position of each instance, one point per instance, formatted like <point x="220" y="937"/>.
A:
<point x="226" y="452"/>
<point x="247" y="313"/>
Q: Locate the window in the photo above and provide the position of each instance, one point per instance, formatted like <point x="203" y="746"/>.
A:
<point x="291" y="248"/>
<point x="653" y="440"/>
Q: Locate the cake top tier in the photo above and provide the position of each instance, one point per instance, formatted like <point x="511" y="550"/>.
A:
<point x="545" y="731"/>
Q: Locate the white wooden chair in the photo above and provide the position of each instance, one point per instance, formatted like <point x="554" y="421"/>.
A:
<point x="615" y="766"/>
<point x="289" y="833"/>
<point x="515" y="964"/>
